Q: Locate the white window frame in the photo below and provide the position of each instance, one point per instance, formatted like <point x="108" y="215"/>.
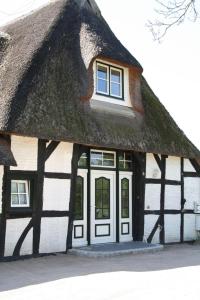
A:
<point x="109" y="70"/>
<point x="102" y="166"/>
<point x="108" y="78"/>
<point x="121" y="75"/>
<point x="124" y="160"/>
<point x="27" y="193"/>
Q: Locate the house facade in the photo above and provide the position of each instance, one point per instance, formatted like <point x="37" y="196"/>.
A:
<point x="89" y="155"/>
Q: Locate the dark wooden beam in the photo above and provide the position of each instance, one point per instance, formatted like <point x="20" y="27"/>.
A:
<point x="159" y="181"/>
<point x="162" y="199"/>
<point x="55" y="213"/>
<point x="117" y="198"/>
<point x="190" y="174"/>
<point x="149" y="239"/>
<point x="195" y="165"/>
<point x="38" y="195"/>
<point x="5" y="203"/>
<point x="57" y="175"/>
<point x="158" y="160"/>
<point x="77" y="151"/>
<point x="50" y="149"/>
<point x="17" y="249"/>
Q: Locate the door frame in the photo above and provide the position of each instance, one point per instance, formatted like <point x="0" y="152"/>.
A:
<point x="93" y="223"/>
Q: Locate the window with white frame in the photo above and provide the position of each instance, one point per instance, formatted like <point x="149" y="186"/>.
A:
<point x="125" y="161"/>
<point x="109" y="81"/>
<point x="20" y="193"/>
<point x="104" y="159"/>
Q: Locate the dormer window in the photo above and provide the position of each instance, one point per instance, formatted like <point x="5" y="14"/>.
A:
<point x="109" y="81"/>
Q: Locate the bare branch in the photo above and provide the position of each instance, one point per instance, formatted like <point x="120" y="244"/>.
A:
<point x="173" y="12"/>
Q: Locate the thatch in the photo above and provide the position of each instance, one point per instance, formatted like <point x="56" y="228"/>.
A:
<point x="6" y="156"/>
<point x="44" y="76"/>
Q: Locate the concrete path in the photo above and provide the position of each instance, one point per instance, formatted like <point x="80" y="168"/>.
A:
<point x="173" y="273"/>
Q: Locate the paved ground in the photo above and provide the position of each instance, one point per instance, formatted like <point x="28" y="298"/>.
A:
<point x="170" y="274"/>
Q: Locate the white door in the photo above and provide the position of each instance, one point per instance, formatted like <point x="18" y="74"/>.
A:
<point x="103" y="207"/>
<point x="125" y="206"/>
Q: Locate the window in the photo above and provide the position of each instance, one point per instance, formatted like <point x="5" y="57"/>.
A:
<point x="125" y="198"/>
<point x="83" y="161"/>
<point x="102" y="198"/>
<point x="20" y="195"/>
<point x="109" y="81"/>
<point x="78" y="214"/>
<point x="102" y="159"/>
<point x="125" y="161"/>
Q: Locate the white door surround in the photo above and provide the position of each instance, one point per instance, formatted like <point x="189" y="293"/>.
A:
<point x="103" y="206"/>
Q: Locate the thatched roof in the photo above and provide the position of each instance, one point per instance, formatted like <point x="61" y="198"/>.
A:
<point x="44" y="62"/>
<point x="6" y="156"/>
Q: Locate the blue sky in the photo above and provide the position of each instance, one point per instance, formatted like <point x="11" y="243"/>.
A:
<point x="171" y="68"/>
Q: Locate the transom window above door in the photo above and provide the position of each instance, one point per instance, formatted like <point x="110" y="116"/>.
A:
<point x="109" y="81"/>
<point x="106" y="159"/>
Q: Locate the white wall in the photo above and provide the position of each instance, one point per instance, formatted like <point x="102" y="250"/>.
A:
<point x="56" y="194"/>
<point x="188" y="166"/>
<point x="152" y="169"/>
<point x="191" y="191"/>
<point x="14" y="229"/>
<point x="173" y="168"/>
<point x="172" y="228"/>
<point x="60" y="160"/>
<point x="152" y="196"/>
<point x="24" y="150"/>
<point x="149" y="222"/>
<point x="172" y="197"/>
<point x="53" y="235"/>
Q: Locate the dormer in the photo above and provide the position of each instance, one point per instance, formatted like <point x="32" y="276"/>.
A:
<point x="117" y="84"/>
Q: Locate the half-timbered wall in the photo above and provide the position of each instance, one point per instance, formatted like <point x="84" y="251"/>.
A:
<point x="171" y="188"/>
<point x="43" y="227"/>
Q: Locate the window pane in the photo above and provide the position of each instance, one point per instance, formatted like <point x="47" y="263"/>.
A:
<point x="83" y="160"/>
<point x="78" y="214"/>
<point x="125" y="198"/>
<point x="106" y="213"/>
<point x="102" y="198"/>
<point x="98" y="214"/>
<point x="102" y="86"/>
<point x="108" y="155"/>
<point x="128" y="156"/>
<point x="96" y="158"/>
<point x="14" y="199"/>
<point x="115" y="76"/>
<point x="115" y="89"/>
<point x="23" y="199"/>
<point x="21" y="187"/>
<point x="108" y="163"/>
<point x="125" y="213"/>
<point x="102" y="72"/>
<point x="13" y="187"/>
<point x="128" y="165"/>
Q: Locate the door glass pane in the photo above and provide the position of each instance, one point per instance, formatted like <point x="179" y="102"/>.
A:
<point x="102" y="198"/>
<point x="125" y="198"/>
<point x="78" y="213"/>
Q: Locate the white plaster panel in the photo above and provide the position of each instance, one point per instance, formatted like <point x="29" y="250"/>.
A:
<point x="152" y="169"/>
<point x="152" y="196"/>
<point x="53" y="234"/>
<point x="191" y="191"/>
<point x="172" y="197"/>
<point x="27" y="246"/>
<point x="14" y="229"/>
<point x="189" y="227"/>
<point x="60" y="159"/>
<point x="188" y="166"/>
<point x="172" y="228"/>
<point x="173" y="168"/>
<point x="24" y="150"/>
<point x="1" y="186"/>
<point x="56" y="194"/>
<point x="149" y="223"/>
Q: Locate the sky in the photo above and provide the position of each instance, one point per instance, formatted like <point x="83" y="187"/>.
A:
<point x="171" y="67"/>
